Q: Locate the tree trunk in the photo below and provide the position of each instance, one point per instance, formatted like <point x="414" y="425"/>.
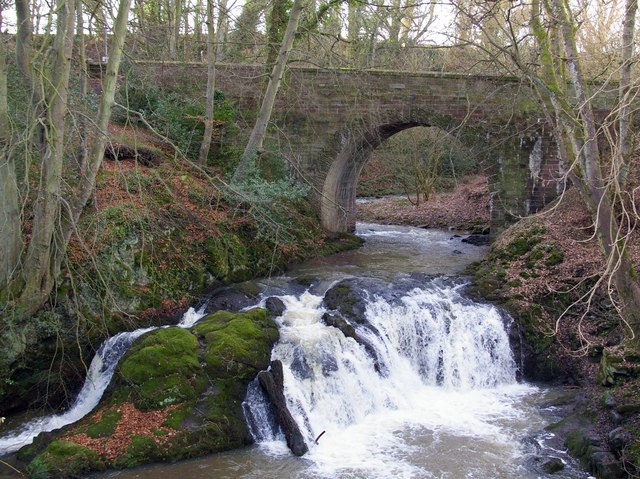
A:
<point x="277" y="21"/>
<point x="171" y="29"/>
<point x="185" y="36"/>
<point x="96" y="152"/>
<point x="395" y="25"/>
<point x="10" y="228"/>
<point x="223" y="25"/>
<point x="197" y="23"/>
<point x="624" y="114"/>
<point x="177" y="17"/>
<point x="211" y="85"/>
<point x="45" y="234"/>
<point x="24" y="38"/>
<point x="354" y="21"/>
<point x="84" y="84"/>
<point x="24" y="47"/>
<point x="254" y="145"/>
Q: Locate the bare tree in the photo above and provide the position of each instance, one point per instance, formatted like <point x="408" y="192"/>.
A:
<point x="211" y="84"/>
<point x="577" y="133"/>
<point x="10" y="227"/>
<point x="61" y="193"/>
<point x="256" y="139"/>
<point x="38" y="272"/>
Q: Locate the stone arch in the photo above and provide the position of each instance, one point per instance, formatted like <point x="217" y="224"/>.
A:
<point x="355" y="144"/>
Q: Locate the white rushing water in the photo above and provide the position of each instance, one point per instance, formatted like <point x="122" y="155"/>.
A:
<point x="98" y="377"/>
<point x="446" y="381"/>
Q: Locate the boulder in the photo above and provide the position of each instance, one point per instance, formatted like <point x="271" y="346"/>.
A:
<point x="275" y="306"/>
<point x="177" y="393"/>
<point x="477" y="240"/>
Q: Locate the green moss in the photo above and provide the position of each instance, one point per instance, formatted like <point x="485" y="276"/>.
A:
<point x="63" y="459"/>
<point x="554" y="257"/>
<point x="177" y="416"/>
<point x="225" y="401"/>
<point x="142" y="450"/>
<point x="534" y="257"/>
<point x="228" y="258"/>
<point x="106" y="426"/>
<point x="522" y="244"/>
<point x="578" y="444"/>
<point x="163" y="368"/>
<point x="519" y="246"/>
<point x="632" y="453"/>
<point x="341" y="242"/>
<point x="608" y="369"/>
<point x="215" y="423"/>
<point x="237" y="344"/>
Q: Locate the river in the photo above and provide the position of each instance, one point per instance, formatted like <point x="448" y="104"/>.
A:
<point x="433" y="395"/>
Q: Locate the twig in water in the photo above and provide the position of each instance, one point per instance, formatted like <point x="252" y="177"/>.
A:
<point x="22" y="473"/>
<point x="321" y="434"/>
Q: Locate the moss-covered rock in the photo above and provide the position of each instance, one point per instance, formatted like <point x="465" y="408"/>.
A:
<point x="141" y="450"/>
<point x="187" y="385"/>
<point x="238" y="345"/>
<point x="64" y="459"/>
<point x="608" y="369"/>
<point x="105" y="426"/>
<point x="162" y="369"/>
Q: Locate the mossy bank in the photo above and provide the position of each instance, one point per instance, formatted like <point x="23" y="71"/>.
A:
<point x="543" y="270"/>
<point x="153" y="240"/>
<point x="176" y="394"/>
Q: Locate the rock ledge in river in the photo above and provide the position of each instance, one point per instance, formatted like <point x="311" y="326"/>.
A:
<point x="176" y="394"/>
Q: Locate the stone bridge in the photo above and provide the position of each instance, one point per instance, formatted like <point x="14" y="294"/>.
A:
<point x="326" y="122"/>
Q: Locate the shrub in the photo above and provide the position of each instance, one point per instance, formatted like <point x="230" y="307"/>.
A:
<point x="179" y="116"/>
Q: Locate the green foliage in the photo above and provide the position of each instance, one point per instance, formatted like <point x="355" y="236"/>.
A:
<point x="523" y="244"/>
<point x="270" y="197"/>
<point x="554" y="257"/>
<point x="266" y="181"/>
<point x="534" y="257"/>
<point x="227" y="257"/>
<point x="178" y="115"/>
<point x="121" y="221"/>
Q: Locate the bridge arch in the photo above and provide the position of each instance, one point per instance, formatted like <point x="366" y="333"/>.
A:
<point x="355" y="144"/>
<point x="316" y="110"/>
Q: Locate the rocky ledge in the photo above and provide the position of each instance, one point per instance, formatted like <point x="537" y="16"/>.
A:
<point x="176" y="394"/>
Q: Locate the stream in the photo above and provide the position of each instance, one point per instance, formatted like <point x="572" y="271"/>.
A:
<point x="429" y="391"/>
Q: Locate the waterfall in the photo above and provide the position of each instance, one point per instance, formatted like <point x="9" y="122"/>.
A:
<point x="98" y="378"/>
<point x="442" y="364"/>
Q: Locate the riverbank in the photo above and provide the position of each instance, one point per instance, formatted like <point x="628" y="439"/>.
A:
<point x="159" y="232"/>
<point x="377" y="414"/>
<point x="544" y="270"/>
<point x="465" y="208"/>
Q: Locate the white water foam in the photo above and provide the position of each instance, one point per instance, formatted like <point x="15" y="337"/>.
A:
<point x="98" y="378"/>
<point x="447" y="371"/>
